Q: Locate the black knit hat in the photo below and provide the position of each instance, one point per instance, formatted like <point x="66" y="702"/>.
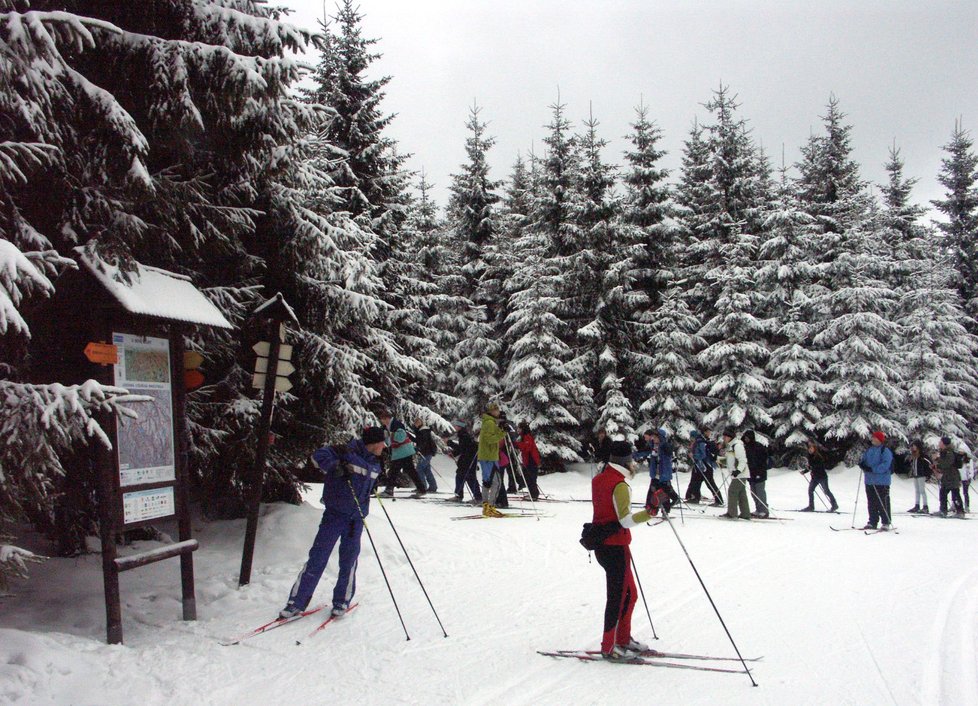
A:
<point x="373" y="435"/>
<point x="621" y="453"/>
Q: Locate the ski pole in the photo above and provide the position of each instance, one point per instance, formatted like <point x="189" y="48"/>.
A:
<point x="710" y="598"/>
<point x="682" y="519"/>
<point x="642" y="593"/>
<point x="519" y="466"/>
<point x="408" y="557"/>
<point x="856" y="504"/>
<point x="377" y="554"/>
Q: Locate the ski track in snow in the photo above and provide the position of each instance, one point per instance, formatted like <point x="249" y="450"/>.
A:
<point x="951" y="672"/>
<point x="840" y="618"/>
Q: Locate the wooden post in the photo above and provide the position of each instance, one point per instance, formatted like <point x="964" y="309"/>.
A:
<point x="181" y="443"/>
<point x="258" y="470"/>
<point x="107" y="502"/>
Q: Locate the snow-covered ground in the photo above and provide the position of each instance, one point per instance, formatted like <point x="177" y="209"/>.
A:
<point x="839" y="617"/>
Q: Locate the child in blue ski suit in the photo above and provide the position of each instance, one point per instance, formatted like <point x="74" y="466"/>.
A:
<point x="351" y="472"/>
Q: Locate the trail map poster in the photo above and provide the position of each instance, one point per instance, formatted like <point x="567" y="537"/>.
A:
<point x="145" y="445"/>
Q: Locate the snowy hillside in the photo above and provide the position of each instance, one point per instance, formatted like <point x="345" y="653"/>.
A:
<point x="838" y="617"/>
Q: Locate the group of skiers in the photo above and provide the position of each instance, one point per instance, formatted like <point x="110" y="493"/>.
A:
<point x="351" y="472"/>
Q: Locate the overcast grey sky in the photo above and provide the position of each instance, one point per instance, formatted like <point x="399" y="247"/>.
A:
<point x="902" y="70"/>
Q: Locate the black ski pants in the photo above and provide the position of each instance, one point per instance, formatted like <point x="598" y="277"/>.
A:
<point x="878" y="499"/>
<point x="405" y="465"/>
<point x="955" y="498"/>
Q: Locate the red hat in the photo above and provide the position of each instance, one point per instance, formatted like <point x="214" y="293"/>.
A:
<point x="879" y="436"/>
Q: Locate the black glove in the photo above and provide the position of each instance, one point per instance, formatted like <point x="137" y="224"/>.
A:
<point x="344" y="470"/>
<point x="865" y="467"/>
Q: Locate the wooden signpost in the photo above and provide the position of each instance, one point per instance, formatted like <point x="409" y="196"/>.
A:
<point x="272" y="367"/>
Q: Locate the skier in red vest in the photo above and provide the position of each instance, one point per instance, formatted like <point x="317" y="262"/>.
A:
<point x="611" y="499"/>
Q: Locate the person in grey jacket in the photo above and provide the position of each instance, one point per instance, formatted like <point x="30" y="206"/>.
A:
<point x="947" y="465"/>
<point x="737" y="493"/>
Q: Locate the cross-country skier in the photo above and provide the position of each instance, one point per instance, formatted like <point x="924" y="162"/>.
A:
<point x="351" y="472"/>
<point x="949" y="466"/>
<point x="402" y="455"/>
<point x="611" y="499"/>
<point x="489" y="437"/>
<point x="877" y="467"/>
<point x="737" y="493"/>
<point x="464" y="450"/>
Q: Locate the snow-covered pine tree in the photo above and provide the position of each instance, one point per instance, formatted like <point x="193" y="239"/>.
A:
<point x="959" y="177"/>
<point x="538" y="381"/>
<point x="828" y="174"/>
<point x="602" y="300"/>
<point x="723" y="214"/>
<point x="149" y="134"/>
<point x="374" y="192"/>
<point x="426" y="235"/>
<point x="862" y="369"/>
<point x="937" y="351"/>
<point x="938" y="356"/>
<point x="671" y="385"/>
<point x="473" y="228"/>
<point x="786" y="282"/>
<point x="734" y="380"/>
<point x="537" y="384"/>
<point x="648" y="206"/>
<point x="696" y="195"/>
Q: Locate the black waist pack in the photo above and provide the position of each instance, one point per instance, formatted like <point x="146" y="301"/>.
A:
<point x="593" y="535"/>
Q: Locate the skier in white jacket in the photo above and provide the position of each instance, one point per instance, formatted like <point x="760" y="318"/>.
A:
<point x="738" y="496"/>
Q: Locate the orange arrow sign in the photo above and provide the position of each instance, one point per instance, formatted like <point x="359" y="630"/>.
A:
<point x="103" y="353"/>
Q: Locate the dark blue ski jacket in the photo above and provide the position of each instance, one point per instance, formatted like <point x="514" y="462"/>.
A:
<point x="365" y="467"/>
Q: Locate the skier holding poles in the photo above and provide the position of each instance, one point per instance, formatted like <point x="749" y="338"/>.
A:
<point x="737" y="493"/>
<point x="351" y="472"/>
<point x="609" y="537"/>
<point x="877" y="467"/>
<point x="489" y="437"/>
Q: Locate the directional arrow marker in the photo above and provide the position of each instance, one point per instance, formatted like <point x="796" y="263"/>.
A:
<point x="281" y="384"/>
<point x="262" y="348"/>
<point x="284" y="366"/>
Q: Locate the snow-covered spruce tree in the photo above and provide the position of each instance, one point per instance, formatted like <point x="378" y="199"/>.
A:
<point x="374" y="191"/>
<point x="723" y="192"/>
<point x="472" y="228"/>
<point x="504" y="255"/>
<point x="959" y="177"/>
<point x="936" y="349"/>
<point x="696" y="196"/>
<point x="938" y="356"/>
<point x="537" y="385"/>
<point x="786" y="282"/>
<point x="671" y="398"/>
<point x="829" y="177"/>
<point x="538" y="380"/>
<point x="723" y="215"/>
<point x="600" y="302"/>
<point x="862" y="370"/>
<point x="150" y="128"/>
<point x="732" y="364"/>
<point x="426" y="236"/>
<point x="907" y="238"/>
<point x="648" y="207"/>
